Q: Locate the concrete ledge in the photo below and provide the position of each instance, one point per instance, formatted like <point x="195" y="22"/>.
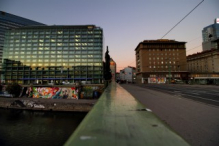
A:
<point x="119" y="119"/>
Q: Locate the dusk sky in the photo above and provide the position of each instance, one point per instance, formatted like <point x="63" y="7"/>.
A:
<point x="125" y="23"/>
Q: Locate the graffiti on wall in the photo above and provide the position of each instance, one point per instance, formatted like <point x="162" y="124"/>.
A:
<point x="85" y="92"/>
<point x="53" y="92"/>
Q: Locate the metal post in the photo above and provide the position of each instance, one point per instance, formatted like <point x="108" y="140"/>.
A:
<point x="169" y="69"/>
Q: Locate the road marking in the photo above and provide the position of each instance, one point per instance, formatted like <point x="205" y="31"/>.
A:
<point x="176" y="91"/>
<point x="212" y="94"/>
<point x="195" y="93"/>
<point x="201" y="97"/>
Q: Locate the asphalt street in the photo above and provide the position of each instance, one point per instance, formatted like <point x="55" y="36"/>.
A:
<point x="196" y="121"/>
<point x="202" y="93"/>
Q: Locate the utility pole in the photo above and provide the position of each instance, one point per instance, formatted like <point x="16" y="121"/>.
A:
<point x="169" y="69"/>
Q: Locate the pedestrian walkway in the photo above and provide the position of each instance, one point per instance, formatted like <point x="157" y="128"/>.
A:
<point x="118" y="119"/>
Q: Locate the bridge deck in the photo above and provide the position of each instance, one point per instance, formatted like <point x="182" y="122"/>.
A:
<point x="119" y="119"/>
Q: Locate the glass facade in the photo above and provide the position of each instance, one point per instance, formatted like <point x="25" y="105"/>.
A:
<point x="53" y="54"/>
<point x="210" y="35"/>
<point x="9" y="21"/>
<point x="210" y="32"/>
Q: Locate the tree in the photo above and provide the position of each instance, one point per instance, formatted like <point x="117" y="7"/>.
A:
<point x="107" y="71"/>
<point x="1" y="87"/>
<point x="14" y="89"/>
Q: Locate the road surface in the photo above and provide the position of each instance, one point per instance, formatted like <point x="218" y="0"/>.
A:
<point x="196" y="121"/>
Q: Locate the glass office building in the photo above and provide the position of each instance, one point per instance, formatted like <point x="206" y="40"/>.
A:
<point x="210" y="35"/>
<point x="9" y="21"/>
<point x="53" y="54"/>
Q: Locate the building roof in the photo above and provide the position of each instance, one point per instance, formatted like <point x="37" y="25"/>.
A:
<point x="202" y="53"/>
<point x="4" y="16"/>
<point x="159" y="41"/>
<point x="131" y="67"/>
<point x="60" y="27"/>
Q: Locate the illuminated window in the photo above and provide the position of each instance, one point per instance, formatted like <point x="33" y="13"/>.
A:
<point x="84" y="60"/>
<point x="77" y="60"/>
<point x="34" y="52"/>
<point x="60" y="32"/>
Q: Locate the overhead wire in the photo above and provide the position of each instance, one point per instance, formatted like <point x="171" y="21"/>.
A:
<point x="183" y="19"/>
<point x="179" y="23"/>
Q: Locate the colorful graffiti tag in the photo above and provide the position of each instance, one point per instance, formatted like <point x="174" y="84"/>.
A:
<point x="82" y="92"/>
<point x="53" y="92"/>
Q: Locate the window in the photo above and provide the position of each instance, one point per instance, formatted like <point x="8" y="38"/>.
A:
<point x="34" y="56"/>
<point x="65" y="56"/>
<point x="60" y="32"/>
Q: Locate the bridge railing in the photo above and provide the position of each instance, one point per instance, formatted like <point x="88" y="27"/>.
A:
<point x="119" y="119"/>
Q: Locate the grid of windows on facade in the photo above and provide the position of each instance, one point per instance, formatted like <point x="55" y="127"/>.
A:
<point x="53" y="54"/>
<point x="164" y="59"/>
<point x="9" y="21"/>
